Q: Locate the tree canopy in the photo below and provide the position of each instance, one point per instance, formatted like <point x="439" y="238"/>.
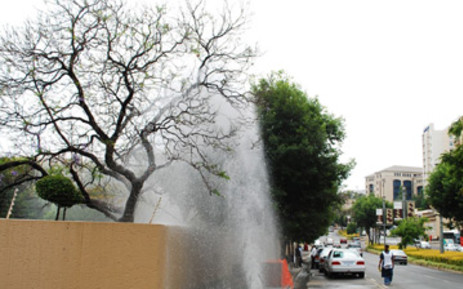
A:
<point x="410" y="229"/>
<point x="364" y="210"/>
<point x="301" y="143"/>
<point x="445" y="184"/>
<point x="115" y="92"/>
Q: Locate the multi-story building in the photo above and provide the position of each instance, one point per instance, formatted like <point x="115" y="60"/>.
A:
<point x="391" y="182"/>
<point x="435" y="142"/>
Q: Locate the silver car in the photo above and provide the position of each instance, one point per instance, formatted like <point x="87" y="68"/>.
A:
<point x="399" y="257"/>
<point x="423" y="245"/>
<point x="344" y="261"/>
<point x="356" y="247"/>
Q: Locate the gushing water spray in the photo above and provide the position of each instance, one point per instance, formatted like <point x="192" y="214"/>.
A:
<point x="235" y="233"/>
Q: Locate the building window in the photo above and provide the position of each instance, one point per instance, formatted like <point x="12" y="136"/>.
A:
<point x="396" y="189"/>
<point x="419" y="191"/>
<point x="408" y="190"/>
<point x="371" y="189"/>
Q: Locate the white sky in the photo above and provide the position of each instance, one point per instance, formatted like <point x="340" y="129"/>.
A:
<point x="389" y="68"/>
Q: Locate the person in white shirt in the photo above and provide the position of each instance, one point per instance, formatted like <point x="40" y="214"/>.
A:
<point x="386" y="265"/>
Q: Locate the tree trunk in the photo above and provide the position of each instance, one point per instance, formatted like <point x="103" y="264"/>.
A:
<point x="64" y="213"/>
<point x="57" y="213"/>
<point x="130" y="205"/>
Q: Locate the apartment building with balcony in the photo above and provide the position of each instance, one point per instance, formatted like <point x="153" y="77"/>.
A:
<point x="390" y="182"/>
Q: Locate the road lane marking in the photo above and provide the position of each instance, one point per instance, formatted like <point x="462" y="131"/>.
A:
<point x="377" y="284"/>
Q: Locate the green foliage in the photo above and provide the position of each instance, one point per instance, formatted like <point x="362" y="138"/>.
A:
<point x="410" y="229"/>
<point x="301" y="145"/>
<point x="445" y="185"/>
<point x="365" y="211"/>
<point x="456" y="129"/>
<point x="352" y="228"/>
<point x="421" y="203"/>
<point x="59" y="190"/>
<point x="7" y="178"/>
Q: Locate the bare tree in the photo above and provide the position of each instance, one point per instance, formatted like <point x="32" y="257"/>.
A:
<point x="91" y="81"/>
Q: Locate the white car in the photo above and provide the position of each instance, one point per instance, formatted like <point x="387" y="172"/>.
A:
<point x="356" y="247"/>
<point x="450" y="247"/>
<point x="423" y="245"/>
<point x="344" y="261"/>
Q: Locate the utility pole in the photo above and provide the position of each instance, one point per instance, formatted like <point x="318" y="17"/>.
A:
<point x="384" y="214"/>
<point x="404" y="204"/>
<point x="441" y="237"/>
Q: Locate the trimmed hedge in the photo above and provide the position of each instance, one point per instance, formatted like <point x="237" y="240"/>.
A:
<point x="348" y="236"/>
<point x="448" y="257"/>
<point x="58" y="190"/>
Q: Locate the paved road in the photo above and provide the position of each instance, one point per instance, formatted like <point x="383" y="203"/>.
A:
<point x="405" y="277"/>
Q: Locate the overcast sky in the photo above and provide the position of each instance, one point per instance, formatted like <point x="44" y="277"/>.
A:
<point x="389" y="68"/>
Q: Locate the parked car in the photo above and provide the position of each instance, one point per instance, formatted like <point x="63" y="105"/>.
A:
<point x="343" y="241"/>
<point x="316" y="259"/>
<point x="344" y="261"/>
<point x="356" y="247"/>
<point x="399" y="257"/>
<point x="322" y="258"/>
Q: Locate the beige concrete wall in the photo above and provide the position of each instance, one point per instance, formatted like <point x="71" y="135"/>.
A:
<point x="49" y="255"/>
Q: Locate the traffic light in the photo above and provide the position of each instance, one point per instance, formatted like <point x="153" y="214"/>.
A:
<point x="397" y="213"/>
<point x="411" y="209"/>
<point x="379" y="219"/>
<point x="389" y="217"/>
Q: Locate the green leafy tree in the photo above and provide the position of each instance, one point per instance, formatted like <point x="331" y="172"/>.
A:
<point x="59" y="190"/>
<point x="445" y="184"/>
<point x="117" y="93"/>
<point x="352" y="228"/>
<point x="456" y="129"/>
<point x="410" y="229"/>
<point x="301" y="143"/>
<point x="365" y="212"/>
<point x="421" y="202"/>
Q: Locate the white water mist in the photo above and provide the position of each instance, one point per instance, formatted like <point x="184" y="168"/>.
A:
<point x="239" y="225"/>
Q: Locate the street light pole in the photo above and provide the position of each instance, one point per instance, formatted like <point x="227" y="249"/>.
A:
<point x="384" y="214"/>
<point x="404" y="205"/>
<point x="441" y="237"/>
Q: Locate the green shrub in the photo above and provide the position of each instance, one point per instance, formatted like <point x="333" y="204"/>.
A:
<point x="59" y="190"/>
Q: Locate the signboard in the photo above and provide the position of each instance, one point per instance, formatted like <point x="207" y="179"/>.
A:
<point x="379" y="212"/>
<point x="397" y="205"/>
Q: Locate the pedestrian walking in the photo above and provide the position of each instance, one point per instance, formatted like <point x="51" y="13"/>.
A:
<point x="313" y="255"/>
<point x="386" y="265"/>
